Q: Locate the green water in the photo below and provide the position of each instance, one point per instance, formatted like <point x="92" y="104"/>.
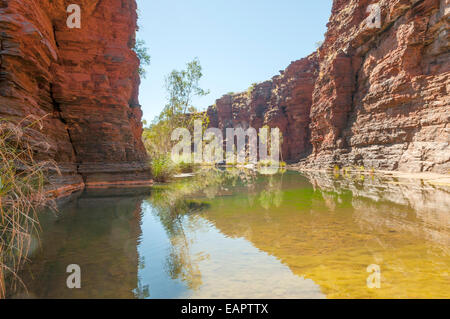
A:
<point x="238" y="234"/>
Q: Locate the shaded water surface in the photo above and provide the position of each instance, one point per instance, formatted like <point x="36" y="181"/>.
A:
<point x="238" y="234"/>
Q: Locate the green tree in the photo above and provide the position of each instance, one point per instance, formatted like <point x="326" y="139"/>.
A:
<point x="144" y="58"/>
<point x="182" y="86"/>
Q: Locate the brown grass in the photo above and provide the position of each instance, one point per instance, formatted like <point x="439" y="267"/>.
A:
<point x="21" y="194"/>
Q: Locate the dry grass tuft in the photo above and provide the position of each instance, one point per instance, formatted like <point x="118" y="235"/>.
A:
<point x="22" y="181"/>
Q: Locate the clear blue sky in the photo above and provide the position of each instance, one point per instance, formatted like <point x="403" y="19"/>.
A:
<point x="238" y="42"/>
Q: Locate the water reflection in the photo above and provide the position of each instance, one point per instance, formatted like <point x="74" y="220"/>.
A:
<point x="332" y="231"/>
<point x="201" y="261"/>
<point x="237" y="234"/>
<point x="98" y="232"/>
<point x="400" y="204"/>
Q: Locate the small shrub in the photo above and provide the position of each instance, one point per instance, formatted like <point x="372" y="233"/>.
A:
<point x="184" y="167"/>
<point x="142" y="53"/>
<point x="268" y="163"/>
<point x="163" y="169"/>
<point x="251" y="88"/>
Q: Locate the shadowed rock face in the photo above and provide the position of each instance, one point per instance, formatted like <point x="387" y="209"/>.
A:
<point x="86" y="82"/>
<point x="379" y="96"/>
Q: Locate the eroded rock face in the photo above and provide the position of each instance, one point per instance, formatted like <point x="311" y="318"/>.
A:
<point x="377" y="95"/>
<point x="283" y="102"/>
<point x="85" y="82"/>
<point x="382" y="99"/>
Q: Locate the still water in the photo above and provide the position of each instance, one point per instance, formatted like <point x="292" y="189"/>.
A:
<point x="238" y="234"/>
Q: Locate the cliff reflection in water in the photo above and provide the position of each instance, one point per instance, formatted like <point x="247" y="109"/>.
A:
<point x="329" y="229"/>
<point x="99" y="232"/>
<point x="201" y="261"/>
<point x="238" y="234"/>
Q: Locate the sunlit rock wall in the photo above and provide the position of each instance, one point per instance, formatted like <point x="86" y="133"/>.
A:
<point x="283" y="102"/>
<point x="376" y="94"/>
<point x="382" y="96"/>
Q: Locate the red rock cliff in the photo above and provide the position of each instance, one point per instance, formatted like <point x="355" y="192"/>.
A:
<point x="283" y="102"/>
<point x="380" y="96"/>
<point x="86" y="79"/>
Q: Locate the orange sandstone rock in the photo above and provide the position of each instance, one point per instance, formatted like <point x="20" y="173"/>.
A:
<point x="382" y="99"/>
<point x="86" y="79"/>
<point x="376" y="95"/>
<point x="283" y="102"/>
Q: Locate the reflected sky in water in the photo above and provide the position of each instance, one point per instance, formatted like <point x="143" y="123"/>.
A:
<point x="201" y="262"/>
<point x="237" y="234"/>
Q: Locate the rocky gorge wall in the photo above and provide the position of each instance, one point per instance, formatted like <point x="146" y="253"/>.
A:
<point x="283" y="102"/>
<point x="83" y="81"/>
<point x="375" y="94"/>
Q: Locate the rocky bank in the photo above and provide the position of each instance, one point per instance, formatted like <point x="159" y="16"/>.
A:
<point x="375" y="94"/>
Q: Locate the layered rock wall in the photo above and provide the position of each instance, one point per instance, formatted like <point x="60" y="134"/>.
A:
<point x="283" y="102"/>
<point x="382" y="97"/>
<point x="380" y="91"/>
<point x="82" y="81"/>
